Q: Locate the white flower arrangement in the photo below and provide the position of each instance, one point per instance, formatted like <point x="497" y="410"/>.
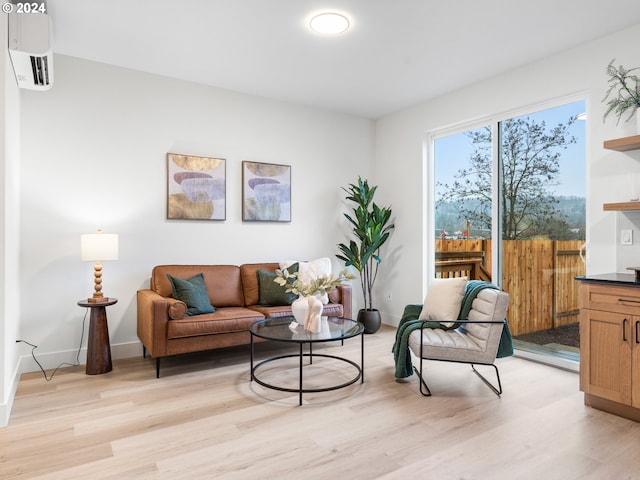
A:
<point x="320" y="285"/>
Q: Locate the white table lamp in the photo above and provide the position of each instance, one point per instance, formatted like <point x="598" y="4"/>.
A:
<point x="98" y="247"/>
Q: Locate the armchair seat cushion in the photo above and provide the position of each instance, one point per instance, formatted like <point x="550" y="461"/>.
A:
<point x="452" y="345"/>
<point x="441" y="339"/>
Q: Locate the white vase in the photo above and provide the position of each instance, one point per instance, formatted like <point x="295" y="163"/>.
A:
<point x="308" y="312"/>
<point x="312" y="322"/>
<point x="638" y="121"/>
<point x="299" y="309"/>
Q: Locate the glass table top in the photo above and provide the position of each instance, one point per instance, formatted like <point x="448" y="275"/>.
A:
<point x="281" y="329"/>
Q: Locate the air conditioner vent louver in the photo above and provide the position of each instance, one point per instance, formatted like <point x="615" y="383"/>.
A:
<point x="40" y="69"/>
<point x="30" y="39"/>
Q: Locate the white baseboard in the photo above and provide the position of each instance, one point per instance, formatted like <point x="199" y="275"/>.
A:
<point x="6" y="406"/>
<point x="52" y="360"/>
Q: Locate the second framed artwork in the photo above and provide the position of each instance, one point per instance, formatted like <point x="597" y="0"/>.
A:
<point x="266" y="192"/>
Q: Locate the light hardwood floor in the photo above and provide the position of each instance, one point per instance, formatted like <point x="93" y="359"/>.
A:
<point x="204" y="419"/>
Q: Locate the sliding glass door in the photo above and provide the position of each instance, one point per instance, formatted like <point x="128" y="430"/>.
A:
<point x="509" y="207"/>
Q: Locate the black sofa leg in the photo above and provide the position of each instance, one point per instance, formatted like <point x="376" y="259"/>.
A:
<point x="158" y="367"/>
<point x="144" y="351"/>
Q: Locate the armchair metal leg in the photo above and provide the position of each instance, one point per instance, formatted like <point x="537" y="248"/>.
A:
<point x="424" y="389"/>
<point x="497" y="391"/>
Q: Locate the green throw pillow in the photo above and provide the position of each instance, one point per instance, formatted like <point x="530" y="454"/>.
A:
<point x="270" y="293"/>
<point x="192" y="291"/>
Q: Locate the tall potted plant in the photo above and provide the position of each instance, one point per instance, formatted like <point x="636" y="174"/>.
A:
<point x="371" y="228"/>
<point x="623" y="94"/>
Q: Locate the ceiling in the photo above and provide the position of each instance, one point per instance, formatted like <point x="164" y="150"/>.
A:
<point x="398" y="52"/>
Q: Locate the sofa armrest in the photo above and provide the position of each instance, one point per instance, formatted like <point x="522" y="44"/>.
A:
<point x="342" y="295"/>
<point x="153" y="316"/>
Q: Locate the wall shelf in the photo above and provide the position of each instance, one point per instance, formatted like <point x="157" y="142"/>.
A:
<point x="620" y="207"/>
<point x="623" y="144"/>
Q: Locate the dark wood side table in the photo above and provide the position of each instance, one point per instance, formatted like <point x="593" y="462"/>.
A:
<point x="98" y="347"/>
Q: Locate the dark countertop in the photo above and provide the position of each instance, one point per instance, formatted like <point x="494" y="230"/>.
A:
<point x="611" y="278"/>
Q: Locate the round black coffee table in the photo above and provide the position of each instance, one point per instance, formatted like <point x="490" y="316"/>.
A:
<point x="332" y="329"/>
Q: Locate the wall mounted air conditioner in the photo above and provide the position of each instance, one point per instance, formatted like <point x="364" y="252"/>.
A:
<point x="30" y="42"/>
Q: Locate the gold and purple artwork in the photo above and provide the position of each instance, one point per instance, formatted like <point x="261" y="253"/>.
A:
<point x="196" y="187"/>
<point x="266" y="192"/>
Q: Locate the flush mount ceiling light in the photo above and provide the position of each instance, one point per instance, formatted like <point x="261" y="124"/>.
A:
<point x="329" y="23"/>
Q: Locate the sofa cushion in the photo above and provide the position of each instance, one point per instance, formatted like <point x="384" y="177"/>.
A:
<point x="177" y="309"/>
<point x="308" y="271"/>
<point x="272" y="312"/>
<point x="271" y="293"/>
<point x="444" y="300"/>
<point x="193" y="293"/>
<point x="223" y="320"/>
<point x="222" y="282"/>
<point x="328" y="310"/>
<point x="249" y="275"/>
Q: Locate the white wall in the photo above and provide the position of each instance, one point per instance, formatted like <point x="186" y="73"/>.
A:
<point x="94" y="156"/>
<point x="400" y="159"/>
<point x="9" y="227"/>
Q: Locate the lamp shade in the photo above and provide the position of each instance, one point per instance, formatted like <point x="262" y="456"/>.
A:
<point x="99" y="246"/>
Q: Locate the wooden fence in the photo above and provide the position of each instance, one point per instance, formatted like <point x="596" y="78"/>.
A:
<point x="539" y="276"/>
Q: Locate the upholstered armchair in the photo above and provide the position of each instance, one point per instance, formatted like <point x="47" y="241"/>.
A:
<point x="478" y="336"/>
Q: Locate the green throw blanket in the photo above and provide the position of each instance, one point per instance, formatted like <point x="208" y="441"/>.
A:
<point x="410" y="322"/>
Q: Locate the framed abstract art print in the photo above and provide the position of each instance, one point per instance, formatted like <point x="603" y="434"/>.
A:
<point x="266" y="192"/>
<point x="196" y="187"/>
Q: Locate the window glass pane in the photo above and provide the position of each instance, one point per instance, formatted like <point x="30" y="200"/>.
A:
<point x="462" y="170"/>
<point x="542" y="157"/>
<point x="463" y="177"/>
<point x="543" y="175"/>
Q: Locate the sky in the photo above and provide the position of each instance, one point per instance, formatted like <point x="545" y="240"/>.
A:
<point x="452" y="153"/>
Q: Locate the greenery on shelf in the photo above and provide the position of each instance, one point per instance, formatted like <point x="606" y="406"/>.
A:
<point x="624" y="91"/>
<point x="371" y="227"/>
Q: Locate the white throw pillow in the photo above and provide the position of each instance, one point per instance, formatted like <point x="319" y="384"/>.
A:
<point x="308" y="271"/>
<point x="444" y="300"/>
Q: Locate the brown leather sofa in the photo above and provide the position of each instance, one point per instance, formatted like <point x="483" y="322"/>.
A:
<point x="165" y="330"/>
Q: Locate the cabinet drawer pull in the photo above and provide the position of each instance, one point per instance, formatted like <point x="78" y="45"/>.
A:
<point x="628" y="300"/>
<point x="624" y="330"/>
<point x="637" y="336"/>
